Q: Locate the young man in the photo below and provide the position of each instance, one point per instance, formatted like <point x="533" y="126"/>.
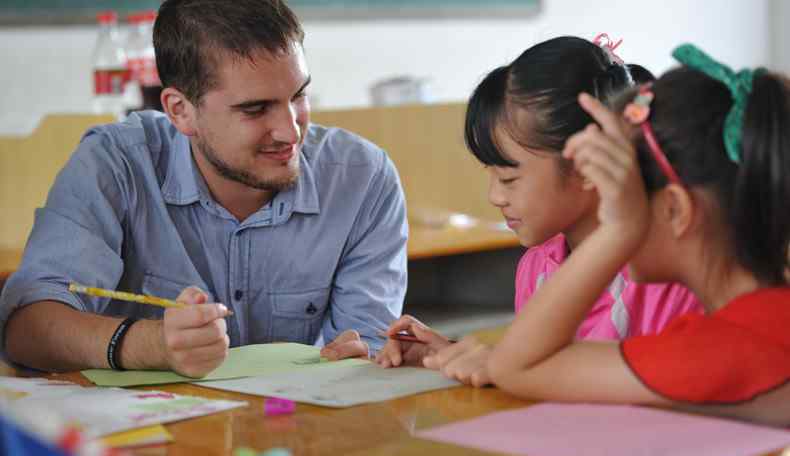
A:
<point x="233" y="197"/>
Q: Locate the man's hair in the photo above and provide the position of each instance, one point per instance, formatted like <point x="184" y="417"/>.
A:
<point x="190" y="37"/>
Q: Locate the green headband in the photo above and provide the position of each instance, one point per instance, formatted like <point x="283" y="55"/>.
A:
<point x="740" y="85"/>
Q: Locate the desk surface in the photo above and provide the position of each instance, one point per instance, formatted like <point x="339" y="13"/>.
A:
<point x="380" y="429"/>
<point x="376" y="429"/>
<point x="427" y="242"/>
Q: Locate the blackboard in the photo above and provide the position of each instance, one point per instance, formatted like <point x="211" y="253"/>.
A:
<point x="38" y="12"/>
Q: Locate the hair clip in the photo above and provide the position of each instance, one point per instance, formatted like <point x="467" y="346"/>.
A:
<point x="603" y="41"/>
<point x="637" y="112"/>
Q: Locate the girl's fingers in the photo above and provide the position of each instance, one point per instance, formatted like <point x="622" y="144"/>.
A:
<point x="592" y="154"/>
<point x="593" y="137"/>
<point x="404" y="323"/>
<point x="608" y="120"/>
<point x="447" y="354"/>
<point x="605" y="183"/>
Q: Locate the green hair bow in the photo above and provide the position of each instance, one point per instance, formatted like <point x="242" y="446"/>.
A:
<point x="740" y="85"/>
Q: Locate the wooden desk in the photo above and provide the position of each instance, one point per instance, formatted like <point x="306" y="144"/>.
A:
<point x="427" y="242"/>
<point x="380" y="429"/>
<point x="376" y="429"/>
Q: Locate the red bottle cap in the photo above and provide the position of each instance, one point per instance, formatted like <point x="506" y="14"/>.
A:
<point x="147" y="16"/>
<point x="107" y="17"/>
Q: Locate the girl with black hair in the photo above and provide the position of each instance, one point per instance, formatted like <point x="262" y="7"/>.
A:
<point x="694" y="187"/>
<point x="517" y="122"/>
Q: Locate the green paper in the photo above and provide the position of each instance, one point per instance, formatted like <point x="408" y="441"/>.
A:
<point x="247" y="361"/>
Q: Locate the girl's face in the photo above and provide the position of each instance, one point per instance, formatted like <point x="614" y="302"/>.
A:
<point x="536" y="198"/>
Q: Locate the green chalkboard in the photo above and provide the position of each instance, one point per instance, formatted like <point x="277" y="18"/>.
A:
<point x="37" y="12"/>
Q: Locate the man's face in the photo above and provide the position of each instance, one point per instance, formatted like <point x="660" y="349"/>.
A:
<point x="250" y="127"/>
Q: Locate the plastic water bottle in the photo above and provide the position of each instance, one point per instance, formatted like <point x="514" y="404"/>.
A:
<point x="110" y="73"/>
<point x="142" y="62"/>
<point x="133" y="96"/>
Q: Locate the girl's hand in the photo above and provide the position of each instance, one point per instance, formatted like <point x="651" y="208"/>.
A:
<point x="465" y="361"/>
<point x="605" y="157"/>
<point x="396" y="352"/>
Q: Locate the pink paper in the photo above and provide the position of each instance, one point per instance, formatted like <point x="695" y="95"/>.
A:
<point x="608" y="430"/>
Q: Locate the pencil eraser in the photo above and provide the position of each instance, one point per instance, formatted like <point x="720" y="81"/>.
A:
<point x="278" y="406"/>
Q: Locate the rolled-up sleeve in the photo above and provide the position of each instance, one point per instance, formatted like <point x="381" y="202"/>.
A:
<point x="77" y="236"/>
<point x="370" y="282"/>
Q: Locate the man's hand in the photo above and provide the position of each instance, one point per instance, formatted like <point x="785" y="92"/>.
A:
<point x="464" y="361"/>
<point x="195" y="337"/>
<point x="396" y="352"/>
<point x="346" y="345"/>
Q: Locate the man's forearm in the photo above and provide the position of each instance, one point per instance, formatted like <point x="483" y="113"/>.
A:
<point x="51" y="336"/>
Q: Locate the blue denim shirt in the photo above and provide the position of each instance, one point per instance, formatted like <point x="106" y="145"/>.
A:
<point x="131" y="211"/>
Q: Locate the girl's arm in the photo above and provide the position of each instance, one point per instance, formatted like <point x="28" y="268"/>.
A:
<point x="537" y="357"/>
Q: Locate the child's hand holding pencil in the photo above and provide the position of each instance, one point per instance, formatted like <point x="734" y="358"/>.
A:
<point x="409" y="341"/>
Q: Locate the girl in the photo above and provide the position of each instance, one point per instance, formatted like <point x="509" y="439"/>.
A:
<point x="708" y="210"/>
<point x="517" y="122"/>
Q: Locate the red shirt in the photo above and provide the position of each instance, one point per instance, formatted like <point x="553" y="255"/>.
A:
<point x="732" y="355"/>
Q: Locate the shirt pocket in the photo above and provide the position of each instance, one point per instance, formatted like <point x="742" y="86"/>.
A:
<point x="297" y="317"/>
<point x="156" y="285"/>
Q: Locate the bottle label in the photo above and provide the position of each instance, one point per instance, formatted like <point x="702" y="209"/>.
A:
<point x="109" y="82"/>
<point x="144" y="71"/>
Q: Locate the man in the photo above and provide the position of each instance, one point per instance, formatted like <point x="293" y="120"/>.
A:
<point x="232" y="197"/>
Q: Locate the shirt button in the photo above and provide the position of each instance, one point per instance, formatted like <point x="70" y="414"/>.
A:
<point x="311" y="309"/>
<point x="238" y="295"/>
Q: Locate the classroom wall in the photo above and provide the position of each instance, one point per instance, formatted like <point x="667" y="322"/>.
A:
<point x="780" y="34"/>
<point x="47" y="69"/>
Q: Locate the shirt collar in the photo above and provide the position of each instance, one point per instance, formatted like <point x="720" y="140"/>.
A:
<point x="556" y="249"/>
<point x="184" y="184"/>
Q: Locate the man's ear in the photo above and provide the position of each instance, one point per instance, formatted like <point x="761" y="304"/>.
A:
<point x="181" y="112"/>
<point x="678" y="210"/>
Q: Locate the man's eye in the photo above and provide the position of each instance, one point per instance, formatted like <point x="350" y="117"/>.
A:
<point x="256" y="111"/>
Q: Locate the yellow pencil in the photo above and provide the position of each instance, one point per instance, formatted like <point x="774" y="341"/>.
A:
<point x="124" y="296"/>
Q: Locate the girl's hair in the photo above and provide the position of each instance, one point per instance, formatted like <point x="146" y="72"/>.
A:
<point x="753" y="196"/>
<point x="544" y="82"/>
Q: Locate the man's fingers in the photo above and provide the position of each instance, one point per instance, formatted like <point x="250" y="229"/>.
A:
<point x="208" y="334"/>
<point x="348" y="335"/>
<point x="192" y="295"/>
<point x="200" y="361"/>
<point x="194" y="316"/>
<point x="352" y="349"/>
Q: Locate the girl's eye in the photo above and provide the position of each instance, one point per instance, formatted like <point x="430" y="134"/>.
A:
<point x="507" y="181"/>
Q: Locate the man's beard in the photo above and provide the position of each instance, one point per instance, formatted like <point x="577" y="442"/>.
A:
<point x="244" y="177"/>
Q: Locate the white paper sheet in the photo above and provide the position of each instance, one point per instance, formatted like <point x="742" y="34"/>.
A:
<point x="101" y="411"/>
<point x="342" y="386"/>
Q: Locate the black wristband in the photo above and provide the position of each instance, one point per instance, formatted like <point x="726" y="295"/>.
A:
<point x="114" y="347"/>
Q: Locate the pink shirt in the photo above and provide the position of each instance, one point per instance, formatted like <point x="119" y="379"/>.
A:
<point x="625" y="309"/>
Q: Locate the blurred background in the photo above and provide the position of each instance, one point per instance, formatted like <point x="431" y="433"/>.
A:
<point x="46" y="59"/>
